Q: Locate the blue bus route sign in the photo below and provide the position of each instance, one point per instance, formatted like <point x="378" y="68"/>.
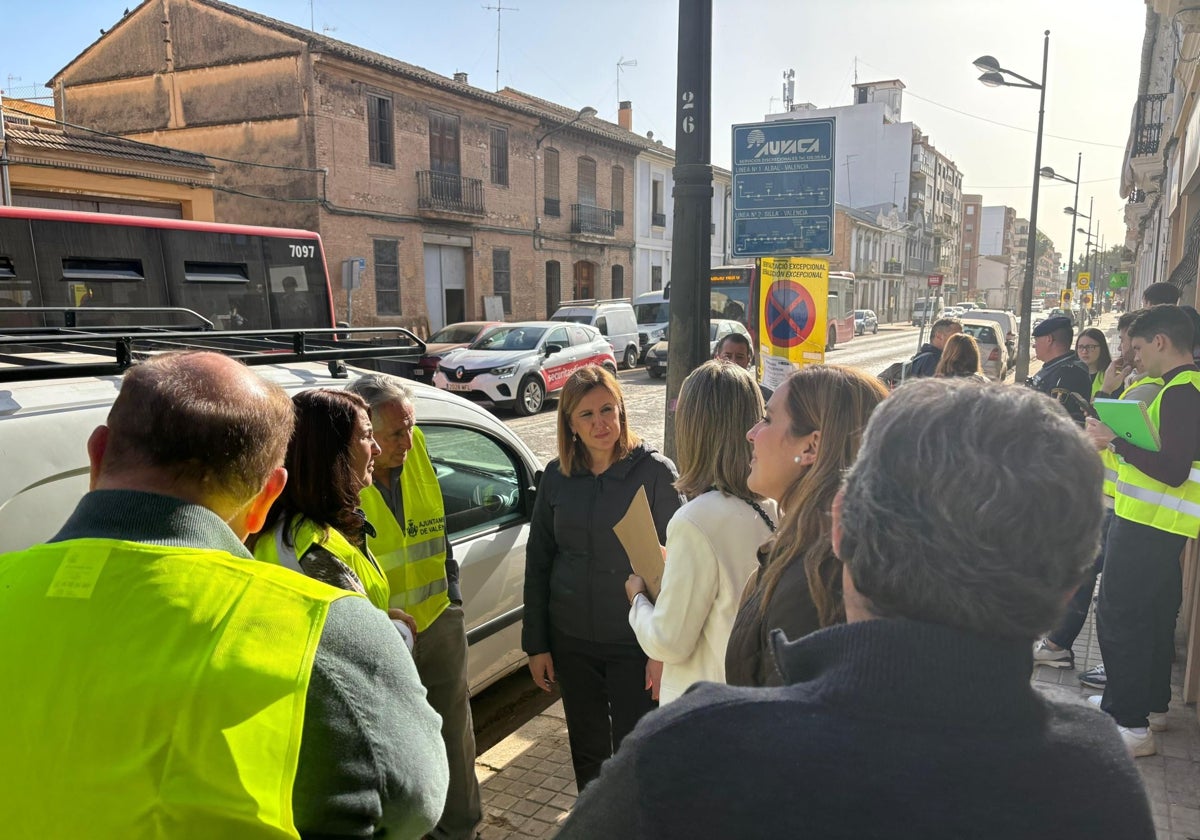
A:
<point x="783" y="189"/>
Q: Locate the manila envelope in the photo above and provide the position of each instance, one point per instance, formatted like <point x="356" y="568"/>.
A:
<point x="639" y="537"/>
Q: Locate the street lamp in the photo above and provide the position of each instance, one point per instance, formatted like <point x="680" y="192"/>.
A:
<point x="995" y="76"/>
<point x="584" y="113"/>
<point x="1049" y="173"/>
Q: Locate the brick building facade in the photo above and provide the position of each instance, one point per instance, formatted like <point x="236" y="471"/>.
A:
<point x="446" y="191"/>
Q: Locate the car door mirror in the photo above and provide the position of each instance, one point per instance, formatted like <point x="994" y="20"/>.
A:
<point x="551" y="349"/>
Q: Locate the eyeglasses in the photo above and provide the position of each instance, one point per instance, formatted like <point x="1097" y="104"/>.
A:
<point x="1087" y="348"/>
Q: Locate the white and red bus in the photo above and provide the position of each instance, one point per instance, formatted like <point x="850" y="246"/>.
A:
<point x="735" y="292"/>
<point x="56" y="265"/>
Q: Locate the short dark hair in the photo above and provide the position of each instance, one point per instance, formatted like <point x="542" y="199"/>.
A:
<point x="1160" y="293"/>
<point x="1166" y="320"/>
<point x="736" y="337"/>
<point x="1063" y="336"/>
<point x="1127" y="318"/>
<point x="320" y="483"/>
<point x="205" y="418"/>
<point x="943" y="325"/>
<point x="927" y="521"/>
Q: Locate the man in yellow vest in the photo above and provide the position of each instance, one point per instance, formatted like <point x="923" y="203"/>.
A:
<point x="1157" y="510"/>
<point x="404" y="506"/>
<point x="158" y="682"/>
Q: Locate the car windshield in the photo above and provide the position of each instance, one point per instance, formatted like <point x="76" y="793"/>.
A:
<point x="860" y="313"/>
<point x="982" y="333"/>
<point x="455" y="334"/>
<point x="652" y="313"/>
<point x="510" y="338"/>
<point x="712" y="332"/>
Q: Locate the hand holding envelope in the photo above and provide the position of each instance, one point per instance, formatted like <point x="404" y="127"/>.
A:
<point x="639" y="538"/>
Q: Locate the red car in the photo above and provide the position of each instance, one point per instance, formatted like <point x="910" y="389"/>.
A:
<point x="448" y="338"/>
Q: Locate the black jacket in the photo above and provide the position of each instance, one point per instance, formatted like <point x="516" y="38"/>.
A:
<point x="885" y="728"/>
<point x="575" y="567"/>
<point x="1069" y="373"/>
<point x="926" y="361"/>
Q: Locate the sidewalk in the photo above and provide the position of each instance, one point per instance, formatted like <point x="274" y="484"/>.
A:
<point x="529" y="787"/>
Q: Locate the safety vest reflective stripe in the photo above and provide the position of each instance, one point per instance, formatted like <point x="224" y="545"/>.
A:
<point x="181" y="719"/>
<point x="1146" y="501"/>
<point x="1111" y="463"/>
<point x="304" y="534"/>
<point x="412" y="553"/>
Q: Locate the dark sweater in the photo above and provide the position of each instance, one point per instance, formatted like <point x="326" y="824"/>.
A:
<point x="887" y="728"/>
<point x="371" y="751"/>
<point x="925" y="362"/>
<point x="575" y="567"/>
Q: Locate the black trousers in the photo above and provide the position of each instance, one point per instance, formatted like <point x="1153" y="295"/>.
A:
<point x="1073" y="619"/>
<point x="1140" y="594"/>
<point x="604" y="696"/>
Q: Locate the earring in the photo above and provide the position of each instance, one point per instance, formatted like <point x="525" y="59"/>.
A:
<point x="796" y="459"/>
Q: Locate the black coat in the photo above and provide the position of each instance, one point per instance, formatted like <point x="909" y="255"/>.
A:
<point x="926" y="361"/>
<point x="575" y="567"/>
<point x="885" y="728"/>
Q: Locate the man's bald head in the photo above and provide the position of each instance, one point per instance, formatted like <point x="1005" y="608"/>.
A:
<point x="200" y="422"/>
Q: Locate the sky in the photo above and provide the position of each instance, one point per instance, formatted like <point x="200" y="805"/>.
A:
<point x="567" y="51"/>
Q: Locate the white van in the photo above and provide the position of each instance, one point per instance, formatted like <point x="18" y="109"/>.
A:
<point x="653" y="312"/>
<point x="613" y="318"/>
<point x="926" y="311"/>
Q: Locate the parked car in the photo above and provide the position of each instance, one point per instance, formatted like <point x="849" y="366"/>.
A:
<point x="965" y="308"/>
<point x="656" y="357"/>
<point x="993" y="353"/>
<point x="652" y="311"/>
<point x="1009" y="326"/>
<point x="865" y="321"/>
<point x="445" y="340"/>
<point x="485" y="471"/>
<point x="520" y="365"/>
<point x="613" y="318"/>
<point x="951" y="312"/>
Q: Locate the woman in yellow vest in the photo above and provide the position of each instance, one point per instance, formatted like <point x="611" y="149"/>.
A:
<point x="1092" y="348"/>
<point x="315" y="526"/>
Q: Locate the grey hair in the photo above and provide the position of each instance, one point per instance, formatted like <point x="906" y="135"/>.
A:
<point x="380" y="388"/>
<point x="944" y="325"/>
<point x="972" y="506"/>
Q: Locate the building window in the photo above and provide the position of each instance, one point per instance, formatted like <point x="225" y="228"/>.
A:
<point x="379" y="130"/>
<point x="587" y="182"/>
<point x="970" y="209"/>
<point x="618" y="197"/>
<point x="655" y="278"/>
<point x="502" y="277"/>
<point x="553" y="286"/>
<point x="499" y="156"/>
<point x="658" y="217"/>
<point x="387" y="277"/>
<point x="618" y="281"/>
<point x="551" y="179"/>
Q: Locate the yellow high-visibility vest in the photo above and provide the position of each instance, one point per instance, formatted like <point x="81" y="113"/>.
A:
<point x="412" y="553"/>
<point x="152" y="691"/>
<point x="1141" y="499"/>
<point x="272" y="548"/>
<point x="1097" y="384"/>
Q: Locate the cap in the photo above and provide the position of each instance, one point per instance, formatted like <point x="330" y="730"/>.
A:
<point x="1050" y="325"/>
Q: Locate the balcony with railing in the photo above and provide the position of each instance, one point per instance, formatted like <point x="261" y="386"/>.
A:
<point x="442" y="192"/>
<point x="658" y="219"/>
<point x="893" y="267"/>
<point x="1148" y="124"/>
<point x="594" y="220"/>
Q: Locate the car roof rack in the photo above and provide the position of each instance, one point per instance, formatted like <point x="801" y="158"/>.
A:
<point x="31" y="356"/>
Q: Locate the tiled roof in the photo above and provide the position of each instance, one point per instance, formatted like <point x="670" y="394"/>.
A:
<point x="27" y="108"/>
<point x="103" y="146"/>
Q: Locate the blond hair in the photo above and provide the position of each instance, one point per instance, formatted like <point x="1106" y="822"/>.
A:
<point x="718" y="403"/>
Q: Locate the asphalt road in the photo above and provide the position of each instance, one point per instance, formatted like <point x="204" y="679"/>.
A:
<point x="644" y="396"/>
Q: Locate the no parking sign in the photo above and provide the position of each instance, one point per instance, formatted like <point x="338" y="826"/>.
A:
<point x="793" y="315"/>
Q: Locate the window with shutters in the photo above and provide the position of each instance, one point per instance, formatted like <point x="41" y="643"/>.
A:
<point x="553" y="286"/>
<point x="587" y="182"/>
<point x="379" y="130"/>
<point x="618" y="196"/>
<point x="552" y="207"/>
<point x="618" y="281"/>
<point x="499" y="156"/>
<point x="502" y="277"/>
<point x="387" y="277"/>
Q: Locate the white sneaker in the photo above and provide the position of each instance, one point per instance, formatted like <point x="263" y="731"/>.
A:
<point x="1139" y="742"/>
<point x="1158" y="720"/>
<point x="1043" y="654"/>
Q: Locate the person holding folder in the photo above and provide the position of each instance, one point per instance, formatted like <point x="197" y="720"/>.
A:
<point x="575" y="625"/>
<point x="712" y="539"/>
<point x="1157" y="509"/>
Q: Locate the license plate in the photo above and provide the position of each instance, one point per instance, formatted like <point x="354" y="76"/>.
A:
<point x="418" y="372"/>
<point x="458" y="386"/>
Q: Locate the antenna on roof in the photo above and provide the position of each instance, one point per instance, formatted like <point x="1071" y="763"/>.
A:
<point x="789" y="88"/>
<point x="499" y="9"/>
<point x="621" y="65"/>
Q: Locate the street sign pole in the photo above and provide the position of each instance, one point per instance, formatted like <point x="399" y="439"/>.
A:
<point x="692" y="237"/>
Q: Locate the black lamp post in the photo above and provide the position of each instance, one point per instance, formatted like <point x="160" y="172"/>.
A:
<point x="1048" y="172"/>
<point x="994" y="76"/>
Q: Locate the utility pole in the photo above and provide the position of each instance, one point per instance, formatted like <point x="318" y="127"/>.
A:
<point x="849" y="194"/>
<point x="499" y="8"/>
<point x="5" y="186"/>
<point x="691" y="242"/>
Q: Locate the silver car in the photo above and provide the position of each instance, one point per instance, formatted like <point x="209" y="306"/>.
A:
<point x="993" y="353"/>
